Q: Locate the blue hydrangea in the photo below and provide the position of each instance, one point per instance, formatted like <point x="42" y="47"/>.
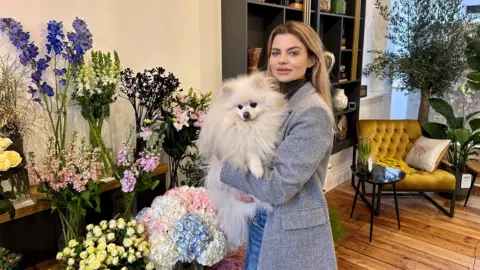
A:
<point x="191" y="236"/>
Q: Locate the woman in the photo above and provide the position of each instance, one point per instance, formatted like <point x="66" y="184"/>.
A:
<point x="297" y="234"/>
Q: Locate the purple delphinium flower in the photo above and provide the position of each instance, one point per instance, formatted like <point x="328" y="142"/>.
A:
<point x="55" y="37"/>
<point x="47" y="89"/>
<point x="148" y="163"/>
<point x="42" y="63"/>
<point x="20" y="39"/>
<point x="81" y="41"/>
<point x="128" y="181"/>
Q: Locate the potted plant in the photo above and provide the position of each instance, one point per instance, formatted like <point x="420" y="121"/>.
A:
<point x="464" y="133"/>
<point x="364" y="152"/>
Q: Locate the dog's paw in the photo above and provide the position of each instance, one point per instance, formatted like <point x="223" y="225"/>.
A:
<point x="257" y="170"/>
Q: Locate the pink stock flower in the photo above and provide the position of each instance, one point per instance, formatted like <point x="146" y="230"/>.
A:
<point x="146" y="133"/>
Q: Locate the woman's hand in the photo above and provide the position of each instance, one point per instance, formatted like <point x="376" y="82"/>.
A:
<point x="243" y="197"/>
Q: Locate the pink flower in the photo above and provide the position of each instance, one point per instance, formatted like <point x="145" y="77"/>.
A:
<point x="128" y="181"/>
<point x="146" y="133"/>
<point x="201" y="118"/>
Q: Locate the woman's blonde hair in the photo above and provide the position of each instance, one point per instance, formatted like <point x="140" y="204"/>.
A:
<point x="318" y="73"/>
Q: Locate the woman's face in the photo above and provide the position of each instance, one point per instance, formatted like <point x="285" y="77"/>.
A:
<point x="289" y="58"/>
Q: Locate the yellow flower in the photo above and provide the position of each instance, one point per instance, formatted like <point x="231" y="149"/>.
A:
<point x="150" y="266"/>
<point x="66" y="251"/>
<point x="83" y="254"/>
<point x="96" y="265"/>
<point x="127" y="242"/>
<point x="4" y="144"/>
<point x="4" y="163"/>
<point x="59" y="256"/>
<point x="90" y="250"/>
<point x="13" y="157"/>
<point x="72" y="243"/>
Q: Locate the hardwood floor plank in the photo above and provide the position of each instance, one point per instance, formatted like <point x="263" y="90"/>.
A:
<point x="427" y="247"/>
<point x="344" y="265"/>
<point x="410" y="251"/>
<point x="361" y="260"/>
<point x="402" y="262"/>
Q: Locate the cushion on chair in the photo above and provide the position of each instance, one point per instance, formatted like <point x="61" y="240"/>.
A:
<point x="422" y="180"/>
<point x="426" y="153"/>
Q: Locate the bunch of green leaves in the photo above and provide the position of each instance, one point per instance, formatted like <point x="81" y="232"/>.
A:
<point x="464" y="133"/>
<point x="9" y="260"/>
<point x="473" y="59"/>
<point x="429" y="37"/>
<point x="364" y="148"/>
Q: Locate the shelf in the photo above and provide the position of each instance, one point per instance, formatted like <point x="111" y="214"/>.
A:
<point x="373" y="95"/>
<point x="275" y="5"/>
<point x="346" y="50"/>
<point x="41" y="204"/>
<point x="341" y="145"/>
<point x="336" y="15"/>
<point x="347" y="82"/>
<point x="337" y="113"/>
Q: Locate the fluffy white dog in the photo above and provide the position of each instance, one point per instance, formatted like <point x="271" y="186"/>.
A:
<point x="242" y="126"/>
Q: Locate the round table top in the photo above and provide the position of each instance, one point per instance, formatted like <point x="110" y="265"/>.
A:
<point x="380" y="175"/>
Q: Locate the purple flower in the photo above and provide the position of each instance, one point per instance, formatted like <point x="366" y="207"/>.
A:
<point x="42" y="63"/>
<point x="20" y="39"/>
<point x="128" y="181"/>
<point x="47" y="89"/>
<point x="146" y="133"/>
<point x="60" y="72"/>
<point x="122" y="157"/>
<point x="149" y="163"/>
<point x="54" y="37"/>
<point x="36" y="77"/>
<point x="81" y="40"/>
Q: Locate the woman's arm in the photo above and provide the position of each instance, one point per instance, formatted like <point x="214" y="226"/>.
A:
<point x="297" y="158"/>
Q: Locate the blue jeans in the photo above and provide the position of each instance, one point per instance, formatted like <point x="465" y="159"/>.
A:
<point x="255" y="240"/>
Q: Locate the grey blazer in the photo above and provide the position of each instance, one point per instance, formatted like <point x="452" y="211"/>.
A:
<point x="297" y="234"/>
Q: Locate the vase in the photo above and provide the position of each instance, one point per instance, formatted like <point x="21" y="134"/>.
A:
<point x="329" y="60"/>
<point x="342" y="128"/>
<point x="253" y="59"/>
<point x="340" y="100"/>
<point x="190" y="266"/>
<point x="16" y="185"/>
<point x="325" y="5"/>
<point x="124" y="207"/>
<point x="338" y="6"/>
<point x="72" y="224"/>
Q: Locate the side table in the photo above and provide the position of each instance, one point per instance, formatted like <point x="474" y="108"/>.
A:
<point x="379" y="176"/>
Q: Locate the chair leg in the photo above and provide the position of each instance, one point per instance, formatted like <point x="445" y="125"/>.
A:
<point x="396" y="205"/>
<point x="452" y="203"/>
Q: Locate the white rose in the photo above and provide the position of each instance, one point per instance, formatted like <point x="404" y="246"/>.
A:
<point x="59" y="256"/>
<point x="102" y="239"/>
<point x="102" y="246"/>
<point x="69" y="268"/>
<point x="101" y="257"/>
<point x="150" y="266"/>
<point x="112" y="224"/>
<point x="133" y="223"/>
<point x="130" y="231"/>
<point x="121" y="225"/>
<point x="71" y="262"/>
<point x="140" y="228"/>
<point x="97" y="231"/>
<point x="127" y="242"/>
<point x="66" y="251"/>
<point x="83" y="255"/>
<point x="110" y="236"/>
<point x="138" y="254"/>
<point x="115" y="261"/>
<point x="131" y="258"/>
<point x="72" y="243"/>
<point x="114" y="253"/>
<point x="89" y="227"/>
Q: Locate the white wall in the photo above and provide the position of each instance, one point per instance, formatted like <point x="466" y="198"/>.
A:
<point x="183" y="36"/>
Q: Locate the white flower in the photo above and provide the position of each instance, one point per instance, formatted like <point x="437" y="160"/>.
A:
<point x="111" y="247"/>
<point x="138" y="254"/>
<point x="110" y="237"/>
<point x="89" y="243"/>
<point x="102" y="246"/>
<point x="114" y="253"/>
<point x="59" y="256"/>
<point x="127" y="242"/>
<point x="69" y="267"/>
<point x="101" y="257"/>
<point x="72" y="243"/>
<point x="140" y="228"/>
<point x="91" y="250"/>
<point x="97" y="231"/>
<point x="66" y="251"/>
<point x="150" y="266"/>
<point x="130" y="231"/>
<point x="95" y="265"/>
<point x="102" y="239"/>
<point x="133" y="223"/>
<point x="71" y="262"/>
<point x="83" y="254"/>
<point x="115" y="261"/>
<point x="109" y="260"/>
<point x="121" y="225"/>
<point x="112" y="224"/>
<point x="131" y="258"/>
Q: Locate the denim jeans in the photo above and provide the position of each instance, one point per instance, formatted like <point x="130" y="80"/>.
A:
<point x="255" y="240"/>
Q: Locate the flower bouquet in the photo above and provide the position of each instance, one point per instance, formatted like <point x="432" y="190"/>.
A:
<point x="182" y="228"/>
<point x="9" y="160"/>
<point x="69" y="181"/>
<point x="95" y="89"/>
<point x="9" y="260"/>
<point x="110" y="245"/>
<point x="182" y="115"/>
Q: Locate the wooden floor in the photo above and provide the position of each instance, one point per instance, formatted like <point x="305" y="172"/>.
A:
<point x="428" y="239"/>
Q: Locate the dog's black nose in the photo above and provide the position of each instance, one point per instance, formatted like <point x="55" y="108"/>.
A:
<point x="246" y="115"/>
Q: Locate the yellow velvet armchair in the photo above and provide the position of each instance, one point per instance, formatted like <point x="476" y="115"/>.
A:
<point x="394" y="139"/>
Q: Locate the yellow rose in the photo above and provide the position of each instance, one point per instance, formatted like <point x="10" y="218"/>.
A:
<point x="4" y="144"/>
<point x="4" y="163"/>
<point x="13" y="157"/>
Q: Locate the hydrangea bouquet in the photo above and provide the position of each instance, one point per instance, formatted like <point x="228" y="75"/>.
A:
<point x="71" y="188"/>
<point x="115" y="245"/>
<point x="182" y="115"/>
<point x="182" y="228"/>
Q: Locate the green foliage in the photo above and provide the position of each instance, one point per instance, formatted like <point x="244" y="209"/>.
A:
<point x="464" y="133"/>
<point x="9" y="260"/>
<point x="430" y="39"/>
<point x="473" y="60"/>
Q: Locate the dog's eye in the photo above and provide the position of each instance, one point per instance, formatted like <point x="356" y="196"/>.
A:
<point x="240" y="106"/>
<point x="253" y="104"/>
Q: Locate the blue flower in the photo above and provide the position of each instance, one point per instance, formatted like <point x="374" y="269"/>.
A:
<point x="20" y="39"/>
<point x="191" y="237"/>
<point x="36" y="77"/>
<point x="60" y="72"/>
<point x="81" y="41"/>
<point x="47" y="89"/>
<point x="42" y="63"/>
<point x="55" y="37"/>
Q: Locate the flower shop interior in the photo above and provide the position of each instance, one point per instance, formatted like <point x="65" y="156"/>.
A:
<point x="102" y="102"/>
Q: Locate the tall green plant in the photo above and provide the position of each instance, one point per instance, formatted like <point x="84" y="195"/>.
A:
<point x="473" y="60"/>
<point x="464" y="132"/>
<point x="430" y="39"/>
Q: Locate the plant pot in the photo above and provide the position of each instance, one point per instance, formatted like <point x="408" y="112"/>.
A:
<point x="461" y="192"/>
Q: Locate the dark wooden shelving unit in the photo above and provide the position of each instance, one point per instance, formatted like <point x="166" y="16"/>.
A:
<point x="248" y="23"/>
